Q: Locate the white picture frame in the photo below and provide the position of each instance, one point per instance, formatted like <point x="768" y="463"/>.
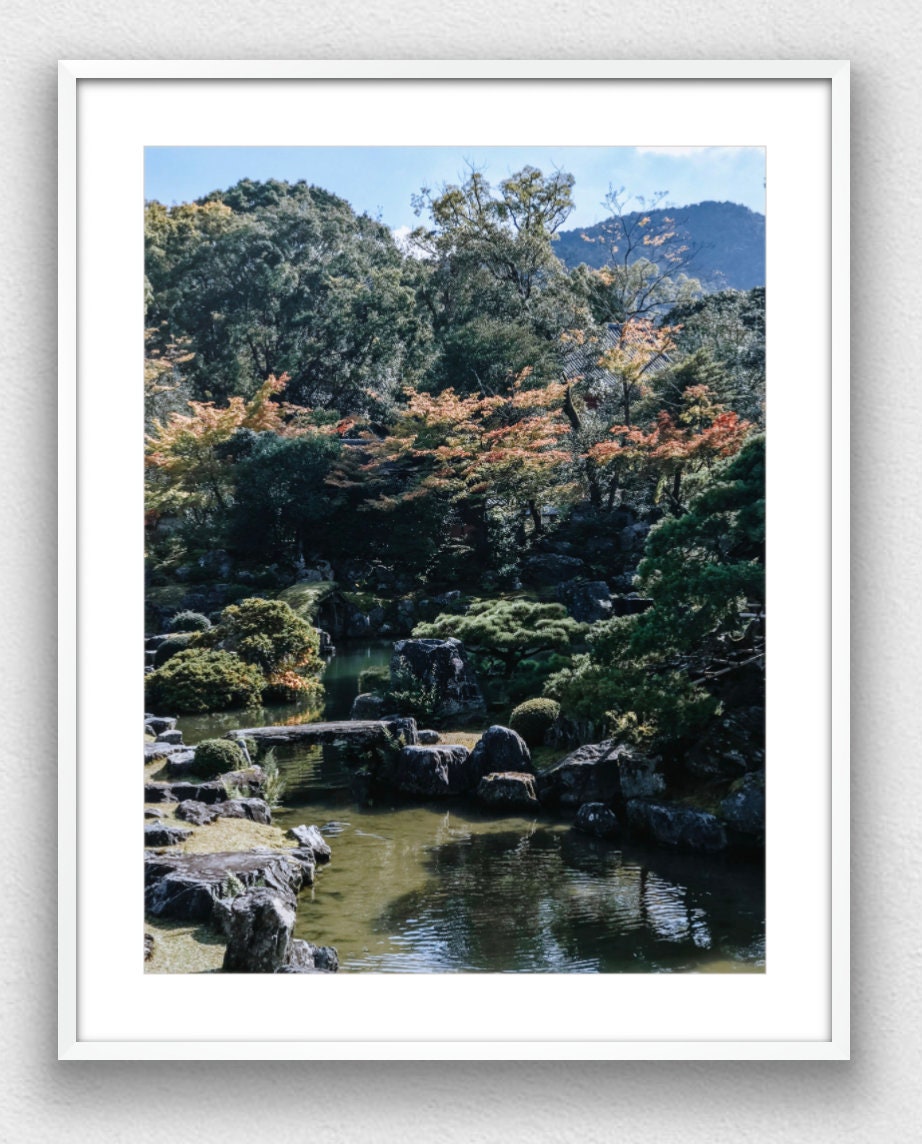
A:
<point x="108" y="1009"/>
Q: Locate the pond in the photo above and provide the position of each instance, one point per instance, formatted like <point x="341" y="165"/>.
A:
<point x="445" y="887"/>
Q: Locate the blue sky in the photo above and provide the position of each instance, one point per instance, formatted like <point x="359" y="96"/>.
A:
<point x="380" y="180"/>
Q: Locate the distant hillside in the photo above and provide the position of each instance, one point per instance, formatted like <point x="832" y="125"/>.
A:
<point x="729" y="240"/>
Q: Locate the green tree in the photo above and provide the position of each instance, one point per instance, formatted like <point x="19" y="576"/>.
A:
<point x="645" y="676"/>
<point x="294" y="283"/>
<point x="497" y="295"/>
<point x="283" y="508"/>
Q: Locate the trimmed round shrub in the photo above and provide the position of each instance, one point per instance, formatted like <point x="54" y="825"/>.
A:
<point x="171" y="646"/>
<point x="269" y="634"/>
<point x="189" y="622"/>
<point x="374" y="679"/>
<point x="532" y="718"/>
<point x="197" y="680"/>
<point x="218" y="756"/>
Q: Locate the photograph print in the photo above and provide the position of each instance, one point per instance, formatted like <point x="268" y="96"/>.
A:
<point x="454" y="652"/>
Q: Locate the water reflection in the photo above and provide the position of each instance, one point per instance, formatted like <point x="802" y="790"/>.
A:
<point x="446" y="888"/>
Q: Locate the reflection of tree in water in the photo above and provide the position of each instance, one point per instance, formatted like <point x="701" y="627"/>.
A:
<point x="545" y="901"/>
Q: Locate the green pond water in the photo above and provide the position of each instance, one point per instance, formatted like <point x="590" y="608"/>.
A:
<point x="445" y="887"/>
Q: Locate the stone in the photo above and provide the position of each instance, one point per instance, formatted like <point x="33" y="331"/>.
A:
<point x="181" y="764"/>
<point x="198" y="813"/>
<point x="307" y="862"/>
<point x="304" y="957"/>
<point x="310" y="838"/>
<point x="552" y="568"/>
<point x="513" y="790"/>
<point x="159" y="792"/>
<point x="170" y="736"/>
<point x="600" y="772"/>
<point x="251" y="779"/>
<point x="158" y="724"/>
<point x="669" y="824"/>
<point x="159" y="834"/>
<point x="148" y="946"/>
<point x="187" y="886"/>
<point x="597" y="819"/>
<point x="443" y="667"/>
<point x="500" y="749"/>
<point x="368" y="705"/>
<point x="587" y="601"/>
<point x="154" y="752"/>
<point x="632" y="538"/>
<point x="255" y="809"/>
<point x="153" y="814"/>
<point x="732" y="745"/>
<point x="354" y="735"/>
<point x="201" y="792"/>
<point x="430" y="772"/>
<point x="427" y="737"/>
<point x="743" y="809"/>
<point x="259" y="929"/>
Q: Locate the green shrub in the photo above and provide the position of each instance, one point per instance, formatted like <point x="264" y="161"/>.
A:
<point x="410" y="695"/>
<point x="532" y="718"/>
<point x="374" y="679"/>
<point x="171" y="646"/>
<point x="218" y="756"/>
<point x="189" y="622"/>
<point x="269" y="634"/>
<point x="197" y="680"/>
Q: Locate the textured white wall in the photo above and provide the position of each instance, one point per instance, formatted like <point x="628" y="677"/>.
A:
<point x="875" y="1097"/>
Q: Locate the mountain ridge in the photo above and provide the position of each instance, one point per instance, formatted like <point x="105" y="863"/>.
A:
<point x="728" y="241"/>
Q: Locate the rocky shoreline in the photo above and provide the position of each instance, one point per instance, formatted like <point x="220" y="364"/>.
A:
<point x="248" y="899"/>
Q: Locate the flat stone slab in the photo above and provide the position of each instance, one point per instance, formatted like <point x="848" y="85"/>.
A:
<point x="356" y="734"/>
<point x="186" y="886"/>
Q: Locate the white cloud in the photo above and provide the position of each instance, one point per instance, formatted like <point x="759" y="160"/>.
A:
<point x="690" y="152"/>
<point x="402" y="238"/>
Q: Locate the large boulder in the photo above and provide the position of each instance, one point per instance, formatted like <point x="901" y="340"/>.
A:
<point x="255" y="809"/>
<point x="587" y="601"/>
<point x="182" y="764"/>
<point x="310" y="838"/>
<point x="187" y="886"/>
<point x="155" y="752"/>
<point x="198" y="813"/>
<point x="171" y="736"/>
<point x="160" y="834"/>
<point x="157" y="724"/>
<point x="500" y="749"/>
<point x="597" y="819"/>
<point x="552" y="568"/>
<point x="508" y="791"/>
<point x="259" y="928"/>
<point x="430" y="772"/>
<point x="441" y="666"/>
<point x="675" y="826"/>
<point x="743" y="809"/>
<point x="732" y="744"/>
<point x="368" y="705"/>
<point x="600" y="772"/>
